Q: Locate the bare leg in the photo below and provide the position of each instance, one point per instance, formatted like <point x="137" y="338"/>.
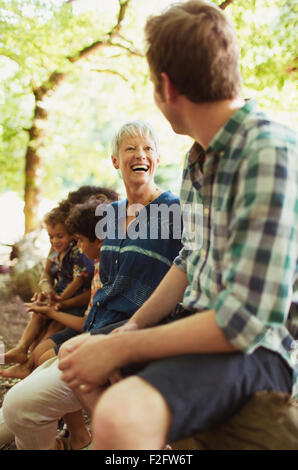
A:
<point x="19" y="371"/>
<point x="33" y="329"/>
<point x="131" y="415"/>
<point x="46" y="356"/>
<point x="89" y="399"/>
<point x="78" y="432"/>
<point x="46" y="344"/>
<point x="40" y="354"/>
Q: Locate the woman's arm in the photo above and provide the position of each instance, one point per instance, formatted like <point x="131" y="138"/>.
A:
<point x="164" y="299"/>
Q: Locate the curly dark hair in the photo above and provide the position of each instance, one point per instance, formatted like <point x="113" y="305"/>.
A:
<point x="82" y="194"/>
<point x="54" y="217"/>
<point x="82" y="219"/>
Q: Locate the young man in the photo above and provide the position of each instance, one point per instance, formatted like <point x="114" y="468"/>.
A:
<point x="235" y="334"/>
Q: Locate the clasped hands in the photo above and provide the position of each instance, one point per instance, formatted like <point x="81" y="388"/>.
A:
<point x="90" y="361"/>
<point x="42" y="303"/>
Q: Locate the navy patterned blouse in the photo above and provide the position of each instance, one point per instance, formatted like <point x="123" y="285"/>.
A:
<point x="133" y="262"/>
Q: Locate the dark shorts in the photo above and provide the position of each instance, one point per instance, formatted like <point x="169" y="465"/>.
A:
<point x="67" y="333"/>
<point x="63" y="335"/>
<point x="203" y="390"/>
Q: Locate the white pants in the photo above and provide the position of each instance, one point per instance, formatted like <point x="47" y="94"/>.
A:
<point x="32" y="408"/>
<point x="6" y="436"/>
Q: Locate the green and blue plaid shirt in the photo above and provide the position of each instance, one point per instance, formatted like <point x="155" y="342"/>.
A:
<point x="240" y="202"/>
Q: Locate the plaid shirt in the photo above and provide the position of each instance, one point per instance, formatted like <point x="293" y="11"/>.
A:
<point x="241" y="196"/>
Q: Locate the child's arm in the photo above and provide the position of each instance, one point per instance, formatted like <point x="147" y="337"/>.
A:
<point x="72" y="288"/>
<point x="46" y="289"/>
<point x="78" y="301"/>
<point x="67" y="319"/>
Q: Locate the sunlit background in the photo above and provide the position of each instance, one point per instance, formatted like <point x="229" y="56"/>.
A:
<point x="109" y="87"/>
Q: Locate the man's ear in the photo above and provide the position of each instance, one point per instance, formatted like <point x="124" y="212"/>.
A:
<point x="169" y="90"/>
<point x="115" y="162"/>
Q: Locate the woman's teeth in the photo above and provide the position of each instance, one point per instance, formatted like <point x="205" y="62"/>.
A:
<point x="140" y="168"/>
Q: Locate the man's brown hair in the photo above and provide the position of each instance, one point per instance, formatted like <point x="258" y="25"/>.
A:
<point x="196" y="46"/>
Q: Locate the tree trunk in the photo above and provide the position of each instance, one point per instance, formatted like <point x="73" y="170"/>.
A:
<point x="32" y="189"/>
<point x="32" y="159"/>
<point x="268" y="421"/>
<point x="32" y="175"/>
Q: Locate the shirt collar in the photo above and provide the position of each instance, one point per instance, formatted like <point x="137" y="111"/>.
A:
<point x="223" y="136"/>
<point x="55" y="254"/>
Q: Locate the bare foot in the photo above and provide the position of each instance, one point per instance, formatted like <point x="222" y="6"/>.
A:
<point x="15" y="355"/>
<point x="19" y="371"/>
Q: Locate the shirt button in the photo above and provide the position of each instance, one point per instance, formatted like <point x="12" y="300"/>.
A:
<point x="204" y="252"/>
<point x="116" y="262"/>
<point x="193" y="293"/>
<point x="206" y="210"/>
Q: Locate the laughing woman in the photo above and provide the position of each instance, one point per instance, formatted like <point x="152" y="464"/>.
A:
<point x="136" y="257"/>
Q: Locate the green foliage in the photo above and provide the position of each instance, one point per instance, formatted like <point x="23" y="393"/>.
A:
<point x="111" y="85"/>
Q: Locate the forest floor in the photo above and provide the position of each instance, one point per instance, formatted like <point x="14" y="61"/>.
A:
<point x="13" y="318"/>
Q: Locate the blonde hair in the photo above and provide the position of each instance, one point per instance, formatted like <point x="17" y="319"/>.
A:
<point x="133" y="128"/>
<point x="196" y="46"/>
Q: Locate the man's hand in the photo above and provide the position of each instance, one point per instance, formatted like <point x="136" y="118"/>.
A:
<point x="128" y="326"/>
<point x="92" y="362"/>
<point x="71" y="345"/>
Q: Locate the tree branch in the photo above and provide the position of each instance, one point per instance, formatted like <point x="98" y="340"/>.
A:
<point x="128" y="49"/>
<point x="97" y="44"/>
<point x="56" y="77"/>
<point x="225" y="4"/>
<point x="112" y="72"/>
<point x="292" y="68"/>
<point x="122" y="10"/>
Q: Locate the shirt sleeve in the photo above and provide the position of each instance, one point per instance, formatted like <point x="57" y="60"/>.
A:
<point x="82" y="266"/>
<point x="181" y="260"/>
<point x="185" y="192"/>
<point x="259" y="261"/>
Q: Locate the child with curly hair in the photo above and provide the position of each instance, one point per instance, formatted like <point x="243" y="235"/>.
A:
<point x="65" y="281"/>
